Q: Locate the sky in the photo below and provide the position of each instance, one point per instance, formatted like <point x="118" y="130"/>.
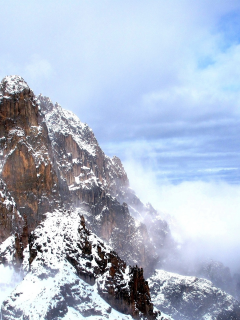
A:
<point x="159" y="84"/>
<point x="157" y="81"/>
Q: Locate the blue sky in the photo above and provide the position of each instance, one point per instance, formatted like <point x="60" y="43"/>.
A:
<point x="158" y="82"/>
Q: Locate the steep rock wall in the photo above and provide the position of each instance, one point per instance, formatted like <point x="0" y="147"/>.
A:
<point x="26" y="166"/>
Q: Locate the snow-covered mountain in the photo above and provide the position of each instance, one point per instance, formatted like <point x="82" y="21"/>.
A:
<point x="99" y="184"/>
<point x="70" y="271"/>
<point x="51" y="162"/>
<point x="72" y="224"/>
<point x="191" y="298"/>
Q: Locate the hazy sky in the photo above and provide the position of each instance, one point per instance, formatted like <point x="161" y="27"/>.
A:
<point x="158" y="81"/>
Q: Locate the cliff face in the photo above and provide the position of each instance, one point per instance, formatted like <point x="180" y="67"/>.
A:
<point x="26" y="167"/>
<point x="10" y="219"/>
<point x="49" y="157"/>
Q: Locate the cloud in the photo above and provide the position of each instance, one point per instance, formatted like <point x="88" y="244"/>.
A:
<point x="38" y="68"/>
<point x="206" y="214"/>
<point x="36" y="71"/>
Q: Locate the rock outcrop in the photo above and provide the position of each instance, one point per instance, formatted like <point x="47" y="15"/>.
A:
<point x="11" y="222"/>
<point x="49" y="157"/>
<point x="49" y="160"/>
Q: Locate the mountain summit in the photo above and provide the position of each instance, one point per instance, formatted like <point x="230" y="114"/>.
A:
<point x="11" y="85"/>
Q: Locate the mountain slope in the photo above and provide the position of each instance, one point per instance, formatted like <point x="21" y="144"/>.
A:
<point x="100" y="185"/>
<point x="61" y="252"/>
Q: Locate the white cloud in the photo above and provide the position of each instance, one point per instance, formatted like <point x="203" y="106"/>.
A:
<point x="205" y="91"/>
<point x="38" y="68"/>
<point x="206" y="213"/>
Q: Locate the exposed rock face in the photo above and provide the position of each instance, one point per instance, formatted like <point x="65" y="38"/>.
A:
<point x="77" y="152"/>
<point x="191" y="298"/>
<point x="49" y="156"/>
<point x="63" y="239"/>
<point x="10" y="219"/>
<point x="26" y="166"/>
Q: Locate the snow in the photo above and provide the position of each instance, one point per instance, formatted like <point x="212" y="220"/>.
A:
<point x="176" y="295"/>
<point x="7" y="248"/>
<point x="34" y="297"/>
<point x="11" y="85"/>
<point x="52" y="280"/>
<point x="72" y="314"/>
<point x="9" y="279"/>
<point x="19" y="132"/>
<point x="67" y="123"/>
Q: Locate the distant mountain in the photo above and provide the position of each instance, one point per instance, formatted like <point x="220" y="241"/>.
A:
<point x="191" y="298"/>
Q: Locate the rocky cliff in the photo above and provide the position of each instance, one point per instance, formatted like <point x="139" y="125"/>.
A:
<point x="49" y="157"/>
<point x="26" y="165"/>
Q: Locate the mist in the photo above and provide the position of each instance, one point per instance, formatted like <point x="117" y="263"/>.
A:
<point x="203" y="215"/>
<point x="9" y="279"/>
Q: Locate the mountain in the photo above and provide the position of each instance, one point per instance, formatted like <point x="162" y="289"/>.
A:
<point x="66" y="265"/>
<point x="92" y="180"/>
<point x="51" y="162"/>
<point x="191" y="298"/>
<point x="70" y="222"/>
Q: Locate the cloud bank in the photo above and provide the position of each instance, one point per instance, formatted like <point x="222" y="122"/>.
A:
<point x="206" y="214"/>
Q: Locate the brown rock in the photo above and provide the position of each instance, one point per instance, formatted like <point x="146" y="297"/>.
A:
<point x="27" y="167"/>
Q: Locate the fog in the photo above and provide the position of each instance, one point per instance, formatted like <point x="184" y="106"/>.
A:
<point x="204" y="216"/>
<point x="9" y="279"/>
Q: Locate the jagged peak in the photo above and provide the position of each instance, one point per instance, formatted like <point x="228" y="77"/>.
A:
<point x="12" y="84"/>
